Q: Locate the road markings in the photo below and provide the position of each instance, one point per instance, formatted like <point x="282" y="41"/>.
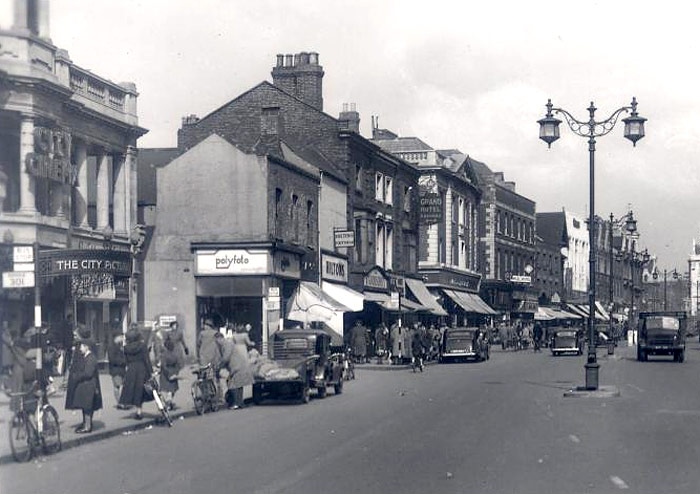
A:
<point x="574" y="438"/>
<point x="636" y="387"/>
<point x="619" y="483"/>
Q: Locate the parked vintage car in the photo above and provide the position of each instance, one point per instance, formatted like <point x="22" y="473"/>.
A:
<point x="463" y="344"/>
<point x="301" y="360"/>
<point x="566" y="340"/>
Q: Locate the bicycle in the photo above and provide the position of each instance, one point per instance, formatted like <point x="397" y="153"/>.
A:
<point x="417" y="363"/>
<point x="154" y="384"/>
<point x="28" y="432"/>
<point x="205" y="392"/>
<point x="348" y="366"/>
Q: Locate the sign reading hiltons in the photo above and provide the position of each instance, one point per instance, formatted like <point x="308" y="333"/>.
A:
<point x="232" y="261"/>
<point x="334" y="268"/>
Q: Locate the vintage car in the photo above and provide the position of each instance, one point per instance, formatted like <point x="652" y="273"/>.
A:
<point x="566" y="340"/>
<point x="661" y="333"/>
<point x="463" y="344"/>
<point x="301" y="360"/>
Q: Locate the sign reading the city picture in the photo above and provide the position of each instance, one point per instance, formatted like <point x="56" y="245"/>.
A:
<point x="51" y="156"/>
<point x="61" y="262"/>
<point x="430" y="208"/>
<point x="334" y="268"/>
<point x="232" y="261"/>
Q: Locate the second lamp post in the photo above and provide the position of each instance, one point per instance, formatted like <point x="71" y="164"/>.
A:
<point x="591" y="129"/>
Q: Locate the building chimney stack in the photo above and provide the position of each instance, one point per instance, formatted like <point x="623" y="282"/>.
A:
<point x="301" y="76"/>
<point x="349" y="119"/>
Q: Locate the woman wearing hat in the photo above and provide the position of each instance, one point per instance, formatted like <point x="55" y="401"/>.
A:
<point x="84" y="391"/>
<point x="138" y="371"/>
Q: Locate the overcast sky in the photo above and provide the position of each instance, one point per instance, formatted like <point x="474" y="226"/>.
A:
<point x="460" y="74"/>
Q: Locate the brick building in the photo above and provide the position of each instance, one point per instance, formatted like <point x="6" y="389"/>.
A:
<point x="550" y="246"/>
<point x="362" y="188"/>
<point x="68" y="167"/>
<point x="507" y="243"/>
<point x="448" y="253"/>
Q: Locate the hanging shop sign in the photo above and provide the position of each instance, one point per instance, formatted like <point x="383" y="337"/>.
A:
<point x="287" y="264"/>
<point x="23" y="253"/>
<point x="232" y="261"/>
<point x="375" y="280"/>
<point x="61" y="262"/>
<point x="22" y="279"/>
<point x="430" y="208"/>
<point x="343" y="238"/>
<point x="516" y="278"/>
<point x="334" y="268"/>
<point x="448" y="279"/>
<point x="51" y="156"/>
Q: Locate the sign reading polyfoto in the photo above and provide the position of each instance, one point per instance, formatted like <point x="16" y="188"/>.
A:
<point x="232" y="261"/>
<point x="22" y="279"/>
<point x="344" y="238"/>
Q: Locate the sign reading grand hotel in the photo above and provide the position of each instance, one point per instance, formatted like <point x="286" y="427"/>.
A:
<point x="232" y="261"/>
<point x="430" y="208"/>
<point x="61" y="262"/>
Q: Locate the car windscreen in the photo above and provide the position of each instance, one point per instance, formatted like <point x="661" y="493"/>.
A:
<point x="659" y="324"/>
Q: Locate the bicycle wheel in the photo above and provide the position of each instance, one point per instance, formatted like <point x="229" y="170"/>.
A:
<point x="20" y="438"/>
<point x="213" y="396"/>
<point x="197" y="397"/>
<point x="50" y="430"/>
<point x="160" y="403"/>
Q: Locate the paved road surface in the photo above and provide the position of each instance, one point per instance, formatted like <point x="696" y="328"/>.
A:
<point x="497" y="427"/>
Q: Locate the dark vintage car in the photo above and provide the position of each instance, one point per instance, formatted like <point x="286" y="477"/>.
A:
<point x="464" y="343"/>
<point x="661" y="333"/>
<point x="566" y="340"/>
<point x="301" y="360"/>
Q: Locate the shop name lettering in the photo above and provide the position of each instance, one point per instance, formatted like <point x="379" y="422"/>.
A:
<point x="226" y="261"/>
<point x="51" y="156"/>
<point x="335" y="269"/>
<point x="91" y="265"/>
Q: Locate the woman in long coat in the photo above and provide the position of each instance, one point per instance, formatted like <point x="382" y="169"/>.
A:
<point x="209" y="350"/>
<point x="171" y="362"/>
<point x="83" y="392"/>
<point x="238" y="364"/>
<point x="138" y="371"/>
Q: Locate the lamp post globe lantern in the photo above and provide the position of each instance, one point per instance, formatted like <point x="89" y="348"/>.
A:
<point x="634" y="124"/>
<point x="549" y="126"/>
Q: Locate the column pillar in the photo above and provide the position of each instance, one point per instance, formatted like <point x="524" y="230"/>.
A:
<point x="80" y="201"/>
<point x="121" y="207"/>
<point x="27" y="182"/>
<point x="102" y="202"/>
<point x="130" y="191"/>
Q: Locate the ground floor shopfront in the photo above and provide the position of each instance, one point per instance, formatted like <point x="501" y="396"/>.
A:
<point x="513" y="301"/>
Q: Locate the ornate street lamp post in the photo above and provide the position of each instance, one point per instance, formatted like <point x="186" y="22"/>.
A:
<point x="549" y="132"/>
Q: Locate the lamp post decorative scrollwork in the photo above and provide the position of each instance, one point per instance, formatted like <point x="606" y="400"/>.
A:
<point x="591" y="129"/>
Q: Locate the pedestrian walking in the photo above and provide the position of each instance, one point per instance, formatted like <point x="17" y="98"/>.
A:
<point x="381" y="338"/>
<point x="209" y="349"/>
<point x="396" y="343"/>
<point x="117" y="365"/>
<point x="83" y="392"/>
<point x="178" y="337"/>
<point x="236" y="361"/>
<point x="359" y="342"/>
<point x="171" y="363"/>
<point x="537" y="337"/>
<point x="138" y="371"/>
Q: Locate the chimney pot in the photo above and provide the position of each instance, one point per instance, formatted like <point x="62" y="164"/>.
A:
<point x="280" y="60"/>
<point x="345" y="107"/>
<point x="296" y="59"/>
<point x="304" y="58"/>
<point x="313" y="58"/>
<point x="289" y="60"/>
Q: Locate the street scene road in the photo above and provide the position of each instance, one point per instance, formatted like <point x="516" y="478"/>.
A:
<point x="492" y="427"/>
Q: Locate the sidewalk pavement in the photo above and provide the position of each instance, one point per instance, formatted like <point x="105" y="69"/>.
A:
<point x="376" y="365"/>
<point x="107" y="422"/>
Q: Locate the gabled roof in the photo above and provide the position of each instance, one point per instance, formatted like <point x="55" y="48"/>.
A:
<point x="551" y="227"/>
<point x="149" y="159"/>
<point x="402" y="145"/>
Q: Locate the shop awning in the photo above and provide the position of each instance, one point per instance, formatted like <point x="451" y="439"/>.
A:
<point x="310" y="303"/>
<point x="352" y="299"/>
<point x="420" y="291"/>
<point x="578" y="310"/>
<point x="376" y="297"/>
<point x="543" y="314"/>
<point x="469" y="302"/>
<point x="414" y="306"/>
<point x="601" y="310"/>
<point x="562" y="314"/>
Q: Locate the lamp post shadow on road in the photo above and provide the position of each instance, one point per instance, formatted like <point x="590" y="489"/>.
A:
<point x="591" y="129"/>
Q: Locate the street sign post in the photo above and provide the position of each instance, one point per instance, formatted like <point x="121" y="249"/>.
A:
<point x="18" y="279"/>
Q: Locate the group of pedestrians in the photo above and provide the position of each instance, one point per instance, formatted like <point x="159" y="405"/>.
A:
<point x="397" y="344"/>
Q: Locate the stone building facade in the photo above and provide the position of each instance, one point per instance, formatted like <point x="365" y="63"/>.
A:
<point x="68" y="163"/>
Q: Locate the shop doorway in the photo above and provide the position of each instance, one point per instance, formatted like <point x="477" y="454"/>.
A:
<point x="232" y="311"/>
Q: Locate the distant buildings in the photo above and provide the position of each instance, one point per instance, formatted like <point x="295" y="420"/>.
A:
<point x="694" y="278"/>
